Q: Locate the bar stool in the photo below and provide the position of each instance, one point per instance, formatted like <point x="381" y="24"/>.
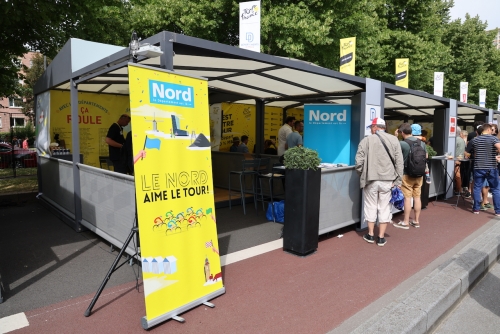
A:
<point x="248" y="168"/>
<point x="270" y="177"/>
<point x="263" y="172"/>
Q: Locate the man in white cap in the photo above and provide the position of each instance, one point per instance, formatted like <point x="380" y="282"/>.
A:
<point x="379" y="169"/>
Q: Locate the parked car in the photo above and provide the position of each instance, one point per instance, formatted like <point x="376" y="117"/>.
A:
<point x="22" y="157"/>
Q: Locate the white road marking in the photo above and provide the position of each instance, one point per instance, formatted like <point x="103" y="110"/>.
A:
<point x="250" y="252"/>
<point x="17" y="321"/>
<point x="13" y="322"/>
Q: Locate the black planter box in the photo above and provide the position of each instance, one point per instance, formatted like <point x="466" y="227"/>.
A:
<point x="301" y="227"/>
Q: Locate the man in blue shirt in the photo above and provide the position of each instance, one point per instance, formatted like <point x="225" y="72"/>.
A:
<point x="294" y="138"/>
<point x="243" y="148"/>
<point x="485" y="147"/>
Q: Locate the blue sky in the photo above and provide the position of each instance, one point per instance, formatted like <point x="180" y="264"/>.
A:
<point x="488" y="10"/>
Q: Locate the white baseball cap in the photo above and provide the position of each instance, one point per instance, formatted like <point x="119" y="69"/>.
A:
<point x="376" y="121"/>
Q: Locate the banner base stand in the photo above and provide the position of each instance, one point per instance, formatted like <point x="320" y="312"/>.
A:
<point x="174" y="313"/>
<point x="209" y="304"/>
<point x="179" y="319"/>
<point x="114" y="267"/>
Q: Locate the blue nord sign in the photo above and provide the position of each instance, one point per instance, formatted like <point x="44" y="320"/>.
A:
<point x="327" y="129"/>
<point x="170" y="94"/>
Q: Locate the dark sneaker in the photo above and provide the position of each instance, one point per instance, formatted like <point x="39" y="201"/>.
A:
<point x="466" y="194"/>
<point x="488" y="206"/>
<point x="369" y="238"/>
<point x="483" y="208"/>
<point x="381" y="241"/>
<point x="456" y="193"/>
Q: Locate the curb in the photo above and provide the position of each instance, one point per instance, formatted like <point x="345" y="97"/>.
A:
<point x="15" y="197"/>
<point x="421" y="308"/>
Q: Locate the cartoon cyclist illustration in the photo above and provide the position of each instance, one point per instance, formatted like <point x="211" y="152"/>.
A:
<point x="158" y="222"/>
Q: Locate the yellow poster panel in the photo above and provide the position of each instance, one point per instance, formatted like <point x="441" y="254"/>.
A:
<point x="174" y="190"/>
<point x="273" y="120"/>
<point x="298" y="113"/>
<point x="96" y="113"/>
<point x="402" y="72"/>
<point x="393" y="125"/>
<point x="348" y="55"/>
<point x="237" y="120"/>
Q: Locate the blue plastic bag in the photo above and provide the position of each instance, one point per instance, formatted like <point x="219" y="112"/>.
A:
<point x="279" y="212"/>
<point x="397" y="198"/>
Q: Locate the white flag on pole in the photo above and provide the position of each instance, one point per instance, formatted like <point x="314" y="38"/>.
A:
<point x="438" y="83"/>
<point x="482" y="98"/>
<point x="250" y="25"/>
<point x="464" y="91"/>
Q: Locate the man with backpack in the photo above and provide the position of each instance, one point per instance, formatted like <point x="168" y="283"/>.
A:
<point x="414" y="157"/>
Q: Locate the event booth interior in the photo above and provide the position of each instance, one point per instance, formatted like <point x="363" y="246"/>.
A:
<point x="85" y="89"/>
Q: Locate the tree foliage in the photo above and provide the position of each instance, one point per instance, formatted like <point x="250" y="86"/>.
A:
<point x="475" y="60"/>
<point x="46" y="25"/>
<point x="309" y="30"/>
<point x="31" y="75"/>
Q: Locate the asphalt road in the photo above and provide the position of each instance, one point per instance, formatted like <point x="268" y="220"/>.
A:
<point x="479" y="311"/>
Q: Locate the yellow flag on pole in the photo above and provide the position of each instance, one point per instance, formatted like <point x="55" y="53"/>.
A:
<point x="402" y="73"/>
<point x="348" y="55"/>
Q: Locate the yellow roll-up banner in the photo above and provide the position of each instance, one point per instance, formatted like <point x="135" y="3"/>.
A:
<point x="348" y="55"/>
<point x="96" y="113"/>
<point x="174" y="191"/>
<point x="402" y="72"/>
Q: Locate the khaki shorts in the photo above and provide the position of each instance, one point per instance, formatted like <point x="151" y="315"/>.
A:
<point x="411" y="186"/>
<point x="376" y="203"/>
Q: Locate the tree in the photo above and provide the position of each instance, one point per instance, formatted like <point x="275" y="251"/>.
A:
<point x="307" y="29"/>
<point x="215" y="20"/>
<point x="414" y="31"/>
<point x="31" y="76"/>
<point x="46" y="25"/>
<point x="9" y="77"/>
<point x="475" y="60"/>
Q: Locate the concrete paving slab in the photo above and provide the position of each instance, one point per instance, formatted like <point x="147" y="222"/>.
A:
<point x="435" y="297"/>
<point x="441" y="290"/>
<point x="400" y="319"/>
<point x="479" y="311"/>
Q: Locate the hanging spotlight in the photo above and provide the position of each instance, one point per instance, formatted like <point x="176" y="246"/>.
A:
<point x="145" y="50"/>
<point x="134" y="46"/>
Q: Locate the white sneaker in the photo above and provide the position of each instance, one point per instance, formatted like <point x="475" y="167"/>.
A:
<point x="490" y="195"/>
<point x="402" y="225"/>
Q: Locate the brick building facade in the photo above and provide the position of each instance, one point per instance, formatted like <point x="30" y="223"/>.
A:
<point x="10" y="108"/>
<point x="496" y="41"/>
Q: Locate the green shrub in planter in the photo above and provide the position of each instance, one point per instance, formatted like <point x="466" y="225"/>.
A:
<point x="301" y="158"/>
<point x="302" y="201"/>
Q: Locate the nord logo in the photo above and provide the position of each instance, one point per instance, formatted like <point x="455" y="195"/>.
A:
<point x="170" y="94"/>
<point x="316" y="116"/>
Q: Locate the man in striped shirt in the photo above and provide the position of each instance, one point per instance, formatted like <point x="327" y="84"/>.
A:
<point x="485" y="149"/>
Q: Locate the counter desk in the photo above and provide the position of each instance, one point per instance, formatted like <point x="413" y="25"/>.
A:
<point x="340" y="201"/>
